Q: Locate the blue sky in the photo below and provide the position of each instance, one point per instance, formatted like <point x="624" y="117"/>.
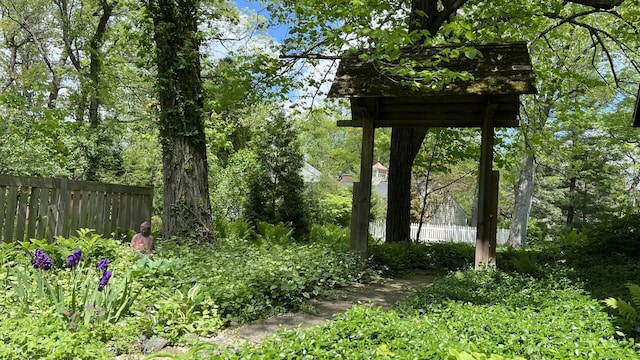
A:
<point x="277" y="33"/>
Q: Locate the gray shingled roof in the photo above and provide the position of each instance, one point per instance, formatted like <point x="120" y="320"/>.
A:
<point x="499" y="76"/>
<point x="503" y="69"/>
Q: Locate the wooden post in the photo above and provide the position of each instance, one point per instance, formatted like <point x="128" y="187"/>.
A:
<point x="485" y="190"/>
<point x="360" y="218"/>
<point x="493" y="228"/>
<point x="355" y="210"/>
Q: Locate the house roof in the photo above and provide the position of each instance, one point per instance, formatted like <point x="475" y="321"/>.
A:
<point x="499" y="76"/>
<point x="379" y="166"/>
<point x="310" y="173"/>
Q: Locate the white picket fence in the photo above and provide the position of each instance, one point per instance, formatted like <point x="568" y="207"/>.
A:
<point x="439" y="233"/>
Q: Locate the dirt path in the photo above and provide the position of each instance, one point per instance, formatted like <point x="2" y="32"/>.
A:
<point x="383" y="292"/>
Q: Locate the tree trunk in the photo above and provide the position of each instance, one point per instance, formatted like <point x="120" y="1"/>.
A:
<point x="92" y="91"/>
<point x="571" y="209"/>
<point x="523" y="196"/>
<point x="186" y="205"/>
<point x="405" y="144"/>
<point x="523" y="200"/>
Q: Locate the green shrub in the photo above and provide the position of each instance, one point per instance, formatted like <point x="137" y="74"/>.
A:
<point x="395" y="258"/>
<point x="183" y="312"/>
<point x="335" y="208"/>
<point x="536" y="261"/>
<point x="399" y="257"/>
<point x="330" y="235"/>
<point x="614" y="235"/>
<point x="248" y="280"/>
<point x="487" y="287"/>
<point x="234" y="230"/>
<point x="535" y="233"/>
<point x="274" y="234"/>
<point x="452" y="256"/>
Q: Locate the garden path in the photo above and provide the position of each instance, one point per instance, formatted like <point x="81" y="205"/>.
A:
<point x="383" y="292"/>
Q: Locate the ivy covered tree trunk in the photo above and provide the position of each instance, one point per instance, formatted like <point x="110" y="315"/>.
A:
<point x="186" y="205"/>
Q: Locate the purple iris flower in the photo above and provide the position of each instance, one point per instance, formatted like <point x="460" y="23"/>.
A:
<point x="41" y="260"/>
<point x="74" y="259"/>
<point x="104" y="280"/>
<point x="102" y="265"/>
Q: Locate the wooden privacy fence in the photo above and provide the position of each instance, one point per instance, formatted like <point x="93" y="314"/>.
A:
<point x="33" y="207"/>
<point x="440" y="233"/>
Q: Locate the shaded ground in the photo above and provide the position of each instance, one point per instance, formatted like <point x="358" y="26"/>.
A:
<point x="384" y="292"/>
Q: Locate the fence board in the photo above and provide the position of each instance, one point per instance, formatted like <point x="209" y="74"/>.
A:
<point x="23" y="201"/>
<point x="10" y="215"/>
<point x="3" y="190"/>
<point x="75" y="212"/>
<point x="115" y="211"/>
<point x="100" y="199"/>
<point x="43" y="216"/>
<point x="63" y="201"/>
<point x="85" y="209"/>
<point x="32" y="212"/>
<point x="93" y="210"/>
<point x="124" y="214"/>
<point x="108" y="206"/>
<point x="44" y="208"/>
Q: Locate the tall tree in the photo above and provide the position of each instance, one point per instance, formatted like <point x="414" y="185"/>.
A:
<point x="186" y="205"/>
<point x="575" y="43"/>
<point x="84" y="27"/>
<point x="427" y="15"/>
<point x="276" y="188"/>
<point x="70" y="47"/>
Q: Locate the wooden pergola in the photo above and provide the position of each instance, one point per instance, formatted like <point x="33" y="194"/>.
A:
<point x="490" y="99"/>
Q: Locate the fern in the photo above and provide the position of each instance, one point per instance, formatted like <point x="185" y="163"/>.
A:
<point x="628" y="311"/>
<point x="635" y="293"/>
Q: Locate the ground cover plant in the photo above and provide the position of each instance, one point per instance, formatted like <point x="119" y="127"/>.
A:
<point x="55" y="293"/>
<point x="542" y="302"/>
<point x="486" y="313"/>
<point x="547" y="301"/>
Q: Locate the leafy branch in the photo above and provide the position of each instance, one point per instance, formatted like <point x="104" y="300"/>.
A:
<point x="598" y="37"/>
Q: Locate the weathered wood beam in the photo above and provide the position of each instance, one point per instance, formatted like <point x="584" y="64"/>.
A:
<point x="485" y="190"/>
<point x="477" y="108"/>
<point x="503" y="69"/>
<point x="493" y="227"/>
<point x="360" y="218"/>
<point x="428" y="123"/>
<point x="599" y="4"/>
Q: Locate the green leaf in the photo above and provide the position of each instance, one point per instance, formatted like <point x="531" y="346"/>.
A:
<point x="471" y="53"/>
